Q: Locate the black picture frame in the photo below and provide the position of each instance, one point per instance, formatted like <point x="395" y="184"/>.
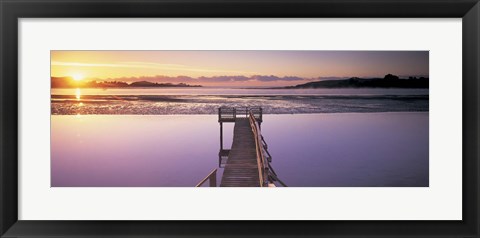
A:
<point x="12" y="10"/>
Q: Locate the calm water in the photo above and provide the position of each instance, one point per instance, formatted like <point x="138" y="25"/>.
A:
<point x="329" y="149"/>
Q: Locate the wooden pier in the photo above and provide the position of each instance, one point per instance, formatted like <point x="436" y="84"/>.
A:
<point x="247" y="162"/>
<point x="241" y="169"/>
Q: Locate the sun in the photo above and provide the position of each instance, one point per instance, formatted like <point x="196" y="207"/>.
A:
<point x="77" y="77"/>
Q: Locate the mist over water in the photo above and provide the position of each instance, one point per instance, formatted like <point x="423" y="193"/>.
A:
<point x="240" y="91"/>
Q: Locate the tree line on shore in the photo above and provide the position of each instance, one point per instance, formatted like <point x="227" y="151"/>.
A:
<point x="389" y="81"/>
<point x="69" y="82"/>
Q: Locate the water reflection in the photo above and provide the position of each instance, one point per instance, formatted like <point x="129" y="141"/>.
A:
<point x="314" y="150"/>
<point x="78" y="94"/>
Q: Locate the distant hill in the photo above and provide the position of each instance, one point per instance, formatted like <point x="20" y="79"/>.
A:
<point x="61" y="82"/>
<point x="144" y="84"/>
<point x="68" y="82"/>
<point x="389" y="81"/>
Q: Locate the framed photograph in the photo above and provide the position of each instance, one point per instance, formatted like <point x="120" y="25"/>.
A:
<point x="239" y="118"/>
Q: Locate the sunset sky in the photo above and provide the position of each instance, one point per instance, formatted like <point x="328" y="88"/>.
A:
<point x="296" y="66"/>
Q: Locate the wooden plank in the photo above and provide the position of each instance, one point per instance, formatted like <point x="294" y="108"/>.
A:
<point x="241" y="169"/>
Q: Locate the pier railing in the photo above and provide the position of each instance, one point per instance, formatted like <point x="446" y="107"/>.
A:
<point x="265" y="170"/>
<point x="267" y="175"/>
<point x="229" y="114"/>
<point x="211" y="177"/>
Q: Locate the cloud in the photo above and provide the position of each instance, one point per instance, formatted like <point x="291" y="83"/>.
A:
<point x="224" y="79"/>
<point x="77" y="64"/>
<point x="150" y="65"/>
<point x="269" y="78"/>
<point x="203" y="79"/>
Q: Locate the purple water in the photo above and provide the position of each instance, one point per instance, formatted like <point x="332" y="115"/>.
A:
<point x="309" y="150"/>
<point x="352" y="149"/>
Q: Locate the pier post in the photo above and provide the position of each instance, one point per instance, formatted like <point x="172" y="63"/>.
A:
<point x="221" y="136"/>
<point x="213" y="179"/>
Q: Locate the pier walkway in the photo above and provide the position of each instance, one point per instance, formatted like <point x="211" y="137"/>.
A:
<point x="241" y="169"/>
<point x="247" y="162"/>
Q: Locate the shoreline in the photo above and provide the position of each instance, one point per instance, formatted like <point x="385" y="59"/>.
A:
<point x="270" y="114"/>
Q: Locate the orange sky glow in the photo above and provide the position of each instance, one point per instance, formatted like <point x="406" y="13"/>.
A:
<point x="307" y="65"/>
